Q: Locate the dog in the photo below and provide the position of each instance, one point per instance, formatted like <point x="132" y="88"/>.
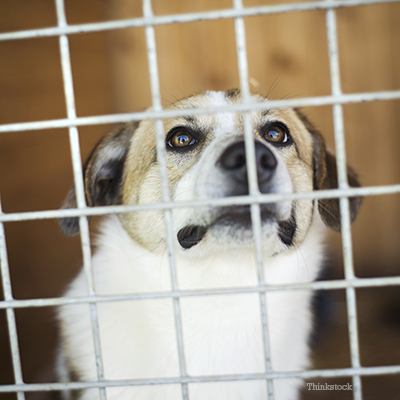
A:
<point x="214" y="246"/>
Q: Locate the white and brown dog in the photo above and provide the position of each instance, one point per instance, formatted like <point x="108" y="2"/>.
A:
<point x="222" y="334"/>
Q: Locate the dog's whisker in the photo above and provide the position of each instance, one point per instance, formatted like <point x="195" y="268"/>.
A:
<point x="274" y="83"/>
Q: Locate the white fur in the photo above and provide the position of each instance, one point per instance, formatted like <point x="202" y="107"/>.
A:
<point x="222" y="334"/>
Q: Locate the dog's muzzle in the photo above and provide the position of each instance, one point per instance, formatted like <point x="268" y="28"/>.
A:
<point x="233" y="163"/>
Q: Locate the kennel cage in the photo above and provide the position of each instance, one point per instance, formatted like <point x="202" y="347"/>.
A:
<point x="337" y="99"/>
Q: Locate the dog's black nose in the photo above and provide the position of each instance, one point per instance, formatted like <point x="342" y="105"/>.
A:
<point x="233" y="161"/>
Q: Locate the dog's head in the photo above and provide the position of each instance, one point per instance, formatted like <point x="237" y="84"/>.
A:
<point x="206" y="159"/>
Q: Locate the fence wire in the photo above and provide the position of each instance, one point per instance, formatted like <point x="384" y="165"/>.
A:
<point x="255" y="198"/>
<point x="345" y="221"/>
<point x="79" y="187"/>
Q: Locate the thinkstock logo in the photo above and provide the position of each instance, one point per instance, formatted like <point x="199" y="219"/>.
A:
<point x="325" y="386"/>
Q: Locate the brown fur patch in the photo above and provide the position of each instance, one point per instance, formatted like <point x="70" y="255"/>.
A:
<point x="102" y="173"/>
<point x="74" y="377"/>
<point x="325" y="177"/>
<point x="232" y="93"/>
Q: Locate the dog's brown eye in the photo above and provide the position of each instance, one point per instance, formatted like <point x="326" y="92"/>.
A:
<point x="276" y="134"/>
<point x="181" y="139"/>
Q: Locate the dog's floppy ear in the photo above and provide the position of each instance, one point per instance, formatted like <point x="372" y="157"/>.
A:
<point x="102" y="175"/>
<point x="325" y="177"/>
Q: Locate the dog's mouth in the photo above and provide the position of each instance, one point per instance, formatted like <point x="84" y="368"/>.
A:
<point x="191" y="235"/>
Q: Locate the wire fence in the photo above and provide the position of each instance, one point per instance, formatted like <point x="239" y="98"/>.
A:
<point x="336" y="99"/>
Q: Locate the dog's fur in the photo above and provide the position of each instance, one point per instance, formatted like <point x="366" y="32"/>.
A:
<point x="214" y="249"/>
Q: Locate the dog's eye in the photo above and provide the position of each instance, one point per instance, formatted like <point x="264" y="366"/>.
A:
<point x="276" y="134"/>
<point x="181" y="139"/>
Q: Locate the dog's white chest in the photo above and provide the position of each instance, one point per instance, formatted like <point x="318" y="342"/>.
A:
<point x="222" y="334"/>
<point x="218" y="339"/>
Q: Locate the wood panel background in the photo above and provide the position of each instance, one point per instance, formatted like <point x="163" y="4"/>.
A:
<point x="287" y="57"/>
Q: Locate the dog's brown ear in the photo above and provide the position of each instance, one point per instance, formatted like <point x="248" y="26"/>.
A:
<point x="325" y="177"/>
<point x="102" y="175"/>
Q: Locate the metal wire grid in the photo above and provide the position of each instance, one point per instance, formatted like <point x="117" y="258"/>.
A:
<point x="337" y="98"/>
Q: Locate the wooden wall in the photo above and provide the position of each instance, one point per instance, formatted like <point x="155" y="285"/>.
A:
<point x="287" y="57"/>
